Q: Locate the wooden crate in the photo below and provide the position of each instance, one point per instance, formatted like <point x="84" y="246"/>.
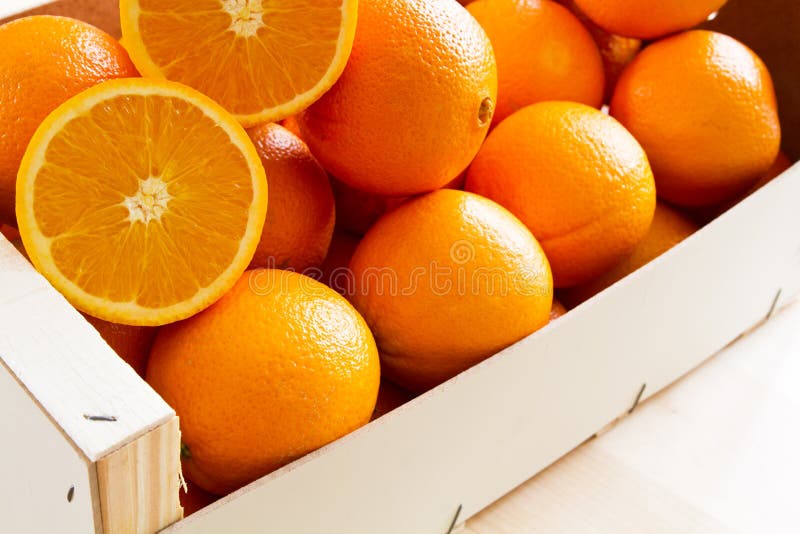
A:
<point x="88" y="446"/>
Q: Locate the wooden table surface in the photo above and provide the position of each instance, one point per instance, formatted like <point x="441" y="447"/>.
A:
<point x="717" y="452"/>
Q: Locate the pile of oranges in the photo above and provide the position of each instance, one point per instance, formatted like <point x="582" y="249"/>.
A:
<point x="275" y="210"/>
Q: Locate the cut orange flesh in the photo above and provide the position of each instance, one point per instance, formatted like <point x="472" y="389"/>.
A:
<point x="262" y="60"/>
<point x="141" y="201"/>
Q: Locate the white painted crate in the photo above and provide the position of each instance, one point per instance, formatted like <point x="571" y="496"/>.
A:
<point x="458" y="447"/>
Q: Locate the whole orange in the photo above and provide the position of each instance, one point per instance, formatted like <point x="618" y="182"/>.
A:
<point x="446" y="280"/>
<point x="543" y="53"/>
<point x="131" y="343"/>
<point x="648" y="19"/>
<point x="278" y="367"/>
<point x="301" y="214"/>
<point x="576" y="178"/>
<point x="414" y="102"/>
<point x="703" y="107"/>
<point x="669" y="228"/>
<point x="45" y="61"/>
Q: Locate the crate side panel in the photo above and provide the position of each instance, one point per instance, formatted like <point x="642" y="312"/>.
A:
<point x="38" y="466"/>
<point x="476" y="437"/>
<point x="66" y="365"/>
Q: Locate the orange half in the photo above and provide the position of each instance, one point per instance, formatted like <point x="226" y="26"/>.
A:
<point x="141" y="201"/>
<point x="263" y="60"/>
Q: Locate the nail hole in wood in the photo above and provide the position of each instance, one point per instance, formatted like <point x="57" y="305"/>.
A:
<point x="70" y="493"/>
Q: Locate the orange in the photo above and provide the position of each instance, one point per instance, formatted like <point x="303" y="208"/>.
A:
<point x="390" y="396"/>
<point x="669" y="228"/>
<point x="357" y="211"/>
<point x="262" y="61"/>
<point x="414" y="102"/>
<point x="576" y="178"/>
<point x="141" y="201"/>
<point x="557" y="310"/>
<point x="299" y="223"/>
<point x="543" y="53"/>
<point x="45" y="61"/>
<point x="703" y="107"/>
<point x="194" y="498"/>
<point x="9" y="232"/>
<point x="131" y="343"/>
<point x="616" y="51"/>
<point x="648" y="19"/>
<point x="334" y="271"/>
<point x="445" y="281"/>
<point x="305" y="373"/>
<point x="708" y="213"/>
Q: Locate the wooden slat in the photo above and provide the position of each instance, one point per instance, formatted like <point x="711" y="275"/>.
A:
<point x="474" y="438"/>
<point x="138" y="484"/>
<point x="715" y="453"/>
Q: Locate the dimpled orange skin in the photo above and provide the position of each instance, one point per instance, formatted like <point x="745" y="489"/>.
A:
<point x="576" y="178"/>
<point x="446" y="280"/>
<point x="703" y="107"/>
<point x="543" y="53"/>
<point x="669" y="228"/>
<point x="279" y="367"/>
<point x="45" y="61"/>
<point x="648" y="19"/>
<point x="414" y="102"/>
<point x="301" y="214"/>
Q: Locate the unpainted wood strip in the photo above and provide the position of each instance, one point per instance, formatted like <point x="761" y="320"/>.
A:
<point x="138" y="484"/>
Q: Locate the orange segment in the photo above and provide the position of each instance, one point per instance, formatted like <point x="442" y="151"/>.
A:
<point x="262" y="60"/>
<point x="141" y="201"/>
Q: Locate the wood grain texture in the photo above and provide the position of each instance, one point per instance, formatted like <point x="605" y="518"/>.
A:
<point x="715" y="453"/>
<point x="138" y="484"/>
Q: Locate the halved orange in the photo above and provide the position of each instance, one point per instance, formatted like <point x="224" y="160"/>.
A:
<point x="141" y="201"/>
<point x="263" y="60"/>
